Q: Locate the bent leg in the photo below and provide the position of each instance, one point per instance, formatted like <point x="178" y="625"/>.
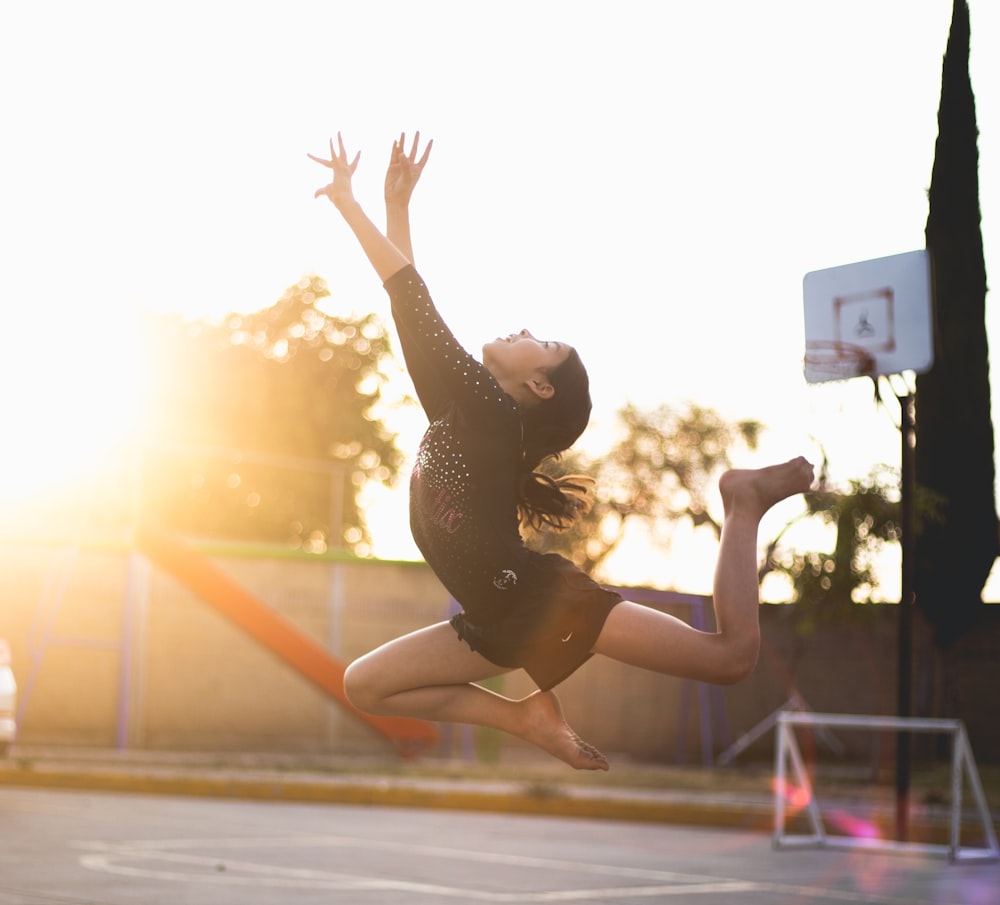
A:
<point x="430" y="674"/>
<point x="656" y="641"/>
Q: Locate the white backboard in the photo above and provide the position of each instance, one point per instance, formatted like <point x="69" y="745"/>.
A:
<point x="869" y="319"/>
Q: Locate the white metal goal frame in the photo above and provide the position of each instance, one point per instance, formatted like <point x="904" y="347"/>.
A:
<point x="962" y="765"/>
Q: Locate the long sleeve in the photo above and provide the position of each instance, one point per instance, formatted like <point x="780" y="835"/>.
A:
<point x="443" y="372"/>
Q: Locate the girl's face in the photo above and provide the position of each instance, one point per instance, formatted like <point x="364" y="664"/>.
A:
<point x="520" y="362"/>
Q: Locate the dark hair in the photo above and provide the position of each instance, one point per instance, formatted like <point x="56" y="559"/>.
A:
<point x="550" y="428"/>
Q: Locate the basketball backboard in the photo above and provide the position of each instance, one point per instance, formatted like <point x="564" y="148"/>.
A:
<point x="869" y="319"/>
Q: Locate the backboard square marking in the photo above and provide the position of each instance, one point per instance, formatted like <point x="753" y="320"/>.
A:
<point x="867" y="319"/>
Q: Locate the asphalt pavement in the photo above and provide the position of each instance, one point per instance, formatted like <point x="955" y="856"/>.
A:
<point x="72" y="846"/>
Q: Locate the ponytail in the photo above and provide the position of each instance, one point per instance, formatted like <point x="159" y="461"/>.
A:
<point x="550" y="428"/>
<point x="554" y="503"/>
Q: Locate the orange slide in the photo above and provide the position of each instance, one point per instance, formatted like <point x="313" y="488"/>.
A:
<point x="277" y="634"/>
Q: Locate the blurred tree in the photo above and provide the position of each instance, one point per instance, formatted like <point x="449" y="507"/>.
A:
<point x="262" y="429"/>
<point x="865" y="517"/>
<point x="664" y="470"/>
<point x="955" y="446"/>
<point x="661" y="471"/>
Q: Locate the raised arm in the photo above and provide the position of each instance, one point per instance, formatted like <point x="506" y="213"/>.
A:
<point x="400" y="179"/>
<point x="385" y="257"/>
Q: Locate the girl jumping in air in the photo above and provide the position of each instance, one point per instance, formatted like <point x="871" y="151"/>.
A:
<point x="473" y="484"/>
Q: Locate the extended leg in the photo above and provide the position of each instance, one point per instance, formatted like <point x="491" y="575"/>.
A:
<point x="647" y="638"/>
<point x="429" y="674"/>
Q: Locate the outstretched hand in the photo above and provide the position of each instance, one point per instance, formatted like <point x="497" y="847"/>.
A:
<point x="404" y="170"/>
<point x="339" y="191"/>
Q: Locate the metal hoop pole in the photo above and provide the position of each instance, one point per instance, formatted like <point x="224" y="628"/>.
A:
<point x="907" y="595"/>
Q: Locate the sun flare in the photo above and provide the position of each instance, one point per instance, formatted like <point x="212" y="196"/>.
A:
<point x="73" y="406"/>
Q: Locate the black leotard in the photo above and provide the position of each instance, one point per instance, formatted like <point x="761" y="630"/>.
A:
<point x="520" y="608"/>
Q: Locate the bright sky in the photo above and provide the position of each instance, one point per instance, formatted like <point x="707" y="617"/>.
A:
<point x="648" y="181"/>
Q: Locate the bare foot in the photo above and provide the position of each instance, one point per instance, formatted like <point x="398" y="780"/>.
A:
<point x="546" y="727"/>
<point x="757" y="490"/>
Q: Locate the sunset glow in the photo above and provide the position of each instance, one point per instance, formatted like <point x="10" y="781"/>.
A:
<point x="652" y="199"/>
<point x="74" y="403"/>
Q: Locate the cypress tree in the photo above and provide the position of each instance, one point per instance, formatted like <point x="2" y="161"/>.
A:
<point x="955" y="449"/>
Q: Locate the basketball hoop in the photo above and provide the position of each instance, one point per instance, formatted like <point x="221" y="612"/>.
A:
<point x="868" y="319"/>
<point x="834" y="360"/>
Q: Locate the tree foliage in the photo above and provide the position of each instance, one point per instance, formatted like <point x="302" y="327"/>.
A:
<point x="955" y="445"/>
<point x="261" y="428"/>
<point x="864" y="516"/>
<point x="663" y="469"/>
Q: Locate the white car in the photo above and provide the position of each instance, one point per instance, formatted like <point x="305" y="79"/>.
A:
<point x="8" y="699"/>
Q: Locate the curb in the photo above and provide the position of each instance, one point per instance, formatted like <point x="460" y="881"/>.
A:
<point x="749" y="812"/>
<point x="457" y="796"/>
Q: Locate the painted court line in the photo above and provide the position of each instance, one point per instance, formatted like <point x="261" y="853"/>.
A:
<point x="208" y="861"/>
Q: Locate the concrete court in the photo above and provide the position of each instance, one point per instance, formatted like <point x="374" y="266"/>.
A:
<point x="71" y="848"/>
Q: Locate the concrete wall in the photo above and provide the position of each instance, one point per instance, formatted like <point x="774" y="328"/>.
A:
<point x="110" y="651"/>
